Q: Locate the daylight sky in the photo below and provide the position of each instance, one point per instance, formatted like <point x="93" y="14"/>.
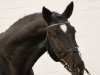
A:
<point x="85" y="18"/>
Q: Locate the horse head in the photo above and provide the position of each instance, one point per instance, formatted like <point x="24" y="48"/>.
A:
<point x="61" y="42"/>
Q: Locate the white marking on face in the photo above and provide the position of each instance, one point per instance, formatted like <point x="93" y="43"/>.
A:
<point x="63" y="28"/>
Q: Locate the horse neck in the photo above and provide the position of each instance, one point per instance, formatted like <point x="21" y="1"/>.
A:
<point x="28" y="63"/>
<point x="24" y="47"/>
<point x="34" y="57"/>
<point x="22" y="55"/>
<point x="28" y="60"/>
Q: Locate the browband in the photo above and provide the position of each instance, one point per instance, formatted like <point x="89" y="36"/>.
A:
<point x="52" y="25"/>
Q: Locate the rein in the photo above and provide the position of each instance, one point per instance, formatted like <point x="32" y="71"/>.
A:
<point x="71" y="50"/>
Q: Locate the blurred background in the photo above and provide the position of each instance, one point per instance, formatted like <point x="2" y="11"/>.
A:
<point x="85" y="18"/>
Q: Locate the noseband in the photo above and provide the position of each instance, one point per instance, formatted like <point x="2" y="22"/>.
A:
<point x="71" y="50"/>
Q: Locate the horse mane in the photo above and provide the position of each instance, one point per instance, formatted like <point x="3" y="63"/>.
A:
<point x="26" y="19"/>
<point x="21" y="23"/>
<point x="29" y="18"/>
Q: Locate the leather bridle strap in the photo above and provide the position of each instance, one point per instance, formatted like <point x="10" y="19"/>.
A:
<point x="58" y="24"/>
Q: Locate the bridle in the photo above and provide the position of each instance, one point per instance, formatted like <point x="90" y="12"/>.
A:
<point x="71" y="50"/>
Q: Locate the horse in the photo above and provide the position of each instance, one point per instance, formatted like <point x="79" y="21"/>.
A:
<point x="23" y="43"/>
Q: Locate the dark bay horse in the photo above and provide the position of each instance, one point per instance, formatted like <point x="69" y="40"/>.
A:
<point x="30" y="37"/>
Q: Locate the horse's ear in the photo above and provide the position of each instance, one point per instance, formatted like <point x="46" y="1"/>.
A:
<point x="46" y="14"/>
<point x="68" y="11"/>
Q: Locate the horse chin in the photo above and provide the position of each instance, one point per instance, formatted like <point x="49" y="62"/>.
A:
<point x="75" y="73"/>
<point x="78" y="72"/>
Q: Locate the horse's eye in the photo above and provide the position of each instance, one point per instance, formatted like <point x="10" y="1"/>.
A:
<point x="53" y="35"/>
